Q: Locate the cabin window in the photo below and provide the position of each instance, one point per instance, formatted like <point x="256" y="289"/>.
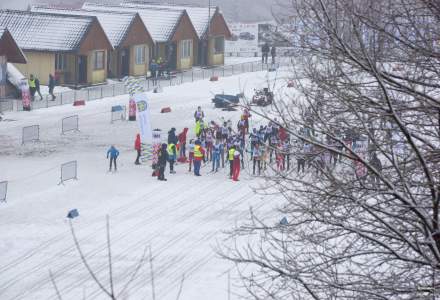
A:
<point x="219" y="44"/>
<point x="98" y="60"/>
<point x="186" y="48"/>
<point x="139" y="52"/>
<point x="60" y="62"/>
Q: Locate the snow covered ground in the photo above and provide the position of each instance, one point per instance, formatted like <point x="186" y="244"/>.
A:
<point x="183" y="219"/>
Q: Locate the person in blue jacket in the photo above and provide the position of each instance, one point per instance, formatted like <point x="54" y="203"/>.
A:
<point x="113" y="153"/>
<point x="216" y="149"/>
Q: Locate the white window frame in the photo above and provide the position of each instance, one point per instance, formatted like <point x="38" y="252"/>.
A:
<point x="60" y="61"/>
<point x="186" y="49"/>
<point x="98" y="65"/>
<point x="139" y="54"/>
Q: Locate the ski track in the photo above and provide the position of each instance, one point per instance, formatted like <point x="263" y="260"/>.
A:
<point x="181" y="219"/>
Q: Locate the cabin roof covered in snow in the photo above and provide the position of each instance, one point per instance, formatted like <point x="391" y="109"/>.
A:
<point x="200" y="16"/>
<point x="46" y="32"/>
<point x="115" y="24"/>
<point x="160" y="22"/>
<point x="10" y="48"/>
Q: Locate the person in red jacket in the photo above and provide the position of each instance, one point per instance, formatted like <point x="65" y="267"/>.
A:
<point x="137" y="147"/>
<point x="236" y="165"/>
<point x="282" y="134"/>
<point x="182" y="145"/>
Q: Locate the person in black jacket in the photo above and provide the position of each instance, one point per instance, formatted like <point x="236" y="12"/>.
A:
<point x="52" y="83"/>
<point x="162" y="162"/>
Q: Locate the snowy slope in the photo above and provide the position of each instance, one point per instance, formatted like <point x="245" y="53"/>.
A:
<point x="182" y="219"/>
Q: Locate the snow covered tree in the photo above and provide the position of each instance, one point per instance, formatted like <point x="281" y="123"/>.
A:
<point x="362" y="222"/>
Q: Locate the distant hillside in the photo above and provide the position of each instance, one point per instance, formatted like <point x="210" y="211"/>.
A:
<point x="234" y="10"/>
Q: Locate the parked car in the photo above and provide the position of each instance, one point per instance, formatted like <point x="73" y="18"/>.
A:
<point x="247" y="36"/>
<point x="234" y="37"/>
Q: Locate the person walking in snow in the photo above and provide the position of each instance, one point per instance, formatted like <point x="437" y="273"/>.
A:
<point x="52" y="84"/>
<point x="32" y="86"/>
<point x="190" y="154"/>
<point x="216" y="149"/>
<point x="113" y="153"/>
<point x="199" y="155"/>
<point x="162" y="162"/>
<point x="182" y="143"/>
<point x="153" y="71"/>
<point x="172" y="157"/>
<point x="236" y="165"/>
<point x="137" y="147"/>
<point x="37" y="88"/>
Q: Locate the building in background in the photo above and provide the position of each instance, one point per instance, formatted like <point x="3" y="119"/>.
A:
<point x="127" y="33"/>
<point x="173" y="33"/>
<point x="77" y="45"/>
<point x="210" y="25"/>
<point x="9" y="53"/>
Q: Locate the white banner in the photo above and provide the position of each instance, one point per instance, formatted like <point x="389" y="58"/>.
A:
<point x="144" y="119"/>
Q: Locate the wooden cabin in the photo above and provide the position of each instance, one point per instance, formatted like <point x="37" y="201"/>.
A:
<point x="9" y="53"/>
<point x="173" y="33"/>
<point x="72" y="47"/>
<point x="210" y="25"/>
<point x="128" y="35"/>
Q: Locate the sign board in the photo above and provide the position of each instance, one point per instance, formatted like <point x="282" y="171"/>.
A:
<point x="244" y="40"/>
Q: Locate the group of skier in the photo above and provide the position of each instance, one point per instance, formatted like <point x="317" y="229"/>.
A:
<point x="218" y="145"/>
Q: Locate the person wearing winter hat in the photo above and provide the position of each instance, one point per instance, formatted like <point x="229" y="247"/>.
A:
<point x="199" y="155"/>
<point x="171" y="157"/>
<point x="216" y="156"/>
<point x="162" y="161"/>
<point x="236" y="165"/>
<point x="113" y="153"/>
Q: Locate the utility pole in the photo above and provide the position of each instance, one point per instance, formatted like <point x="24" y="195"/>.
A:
<point x="208" y="33"/>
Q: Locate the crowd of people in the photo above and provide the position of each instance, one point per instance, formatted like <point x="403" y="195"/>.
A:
<point x="222" y="145"/>
<point x="225" y="146"/>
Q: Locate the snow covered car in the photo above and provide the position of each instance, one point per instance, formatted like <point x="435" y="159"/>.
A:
<point x="224" y="101"/>
<point x="262" y="97"/>
<point x="247" y="36"/>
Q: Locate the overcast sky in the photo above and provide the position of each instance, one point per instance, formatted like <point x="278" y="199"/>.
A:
<point x="234" y="10"/>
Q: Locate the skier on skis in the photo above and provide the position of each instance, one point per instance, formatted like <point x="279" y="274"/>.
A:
<point x="256" y="158"/>
<point x="199" y="114"/>
<point x="209" y="139"/>
<point x="216" y="156"/>
<point x="113" y="153"/>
